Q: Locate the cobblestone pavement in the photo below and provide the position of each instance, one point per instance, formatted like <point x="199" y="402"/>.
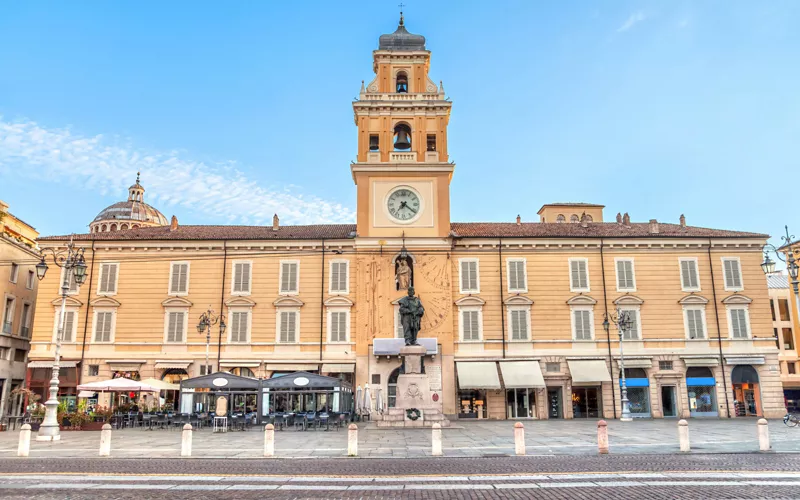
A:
<point x="467" y="439"/>
<point x="558" y="477"/>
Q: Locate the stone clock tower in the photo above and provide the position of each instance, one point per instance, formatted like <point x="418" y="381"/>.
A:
<point x="403" y="172"/>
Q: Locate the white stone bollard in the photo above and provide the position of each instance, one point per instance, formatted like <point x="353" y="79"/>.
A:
<point x="436" y="440"/>
<point x="683" y="435"/>
<point x="269" y="440"/>
<point x="519" y="438"/>
<point x="105" y="441"/>
<point x="763" y="435"/>
<point x="186" y="441"/>
<point x="602" y="437"/>
<point x="352" y="440"/>
<point x="24" y="448"/>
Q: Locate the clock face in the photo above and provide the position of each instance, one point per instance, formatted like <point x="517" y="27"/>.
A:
<point x="404" y="205"/>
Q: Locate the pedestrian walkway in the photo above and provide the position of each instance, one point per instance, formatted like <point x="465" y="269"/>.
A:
<point x="466" y="439"/>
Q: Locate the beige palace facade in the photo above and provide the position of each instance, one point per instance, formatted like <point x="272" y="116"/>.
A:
<point x="514" y="311"/>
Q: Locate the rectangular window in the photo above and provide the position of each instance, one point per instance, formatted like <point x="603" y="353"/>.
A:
<point x="19" y="355"/>
<point x="29" y="283"/>
<point x="69" y="326"/>
<point x="103" y="326"/>
<point x="73" y="285"/>
<point x="695" y="324"/>
<point x="398" y="325"/>
<point x="94" y="370"/>
<point x="582" y="324"/>
<point x="179" y="278"/>
<point x="732" y="273"/>
<point x="772" y="308"/>
<point x="738" y="319"/>
<point x="469" y="278"/>
<point x="665" y="365"/>
<point x="632" y="331"/>
<point x="205" y="370"/>
<point x="340" y="282"/>
<point x="788" y="339"/>
<point x="431" y="142"/>
<point x="374" y="142"/>
<point x="552" y="367"/>
<point x="783" y="309"/>
<point x="175" y="323"/>
<point x="690" y="281"/>
<point x="238" y="326"/>
<point x="791" y="368"/>
<point x="24" y="324"/>
<point x="288" y="327"/>
<point x="108" y="278"/>
<point x="470" y="325"/>
<point x="14" y="273"/>
<point x="519" y="324"/>
<point x="376" y="379"/>
<point x="338" y="326"/>
<point x="289" y="276"/>
<point x="625" y="278"/>
<point x="8" y="314"/>
<point x="517" y="278"/>
<point x="579" y="275"/>
<point x="241" y="278"/>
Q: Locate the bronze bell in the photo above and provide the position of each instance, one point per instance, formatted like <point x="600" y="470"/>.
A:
<point x="403" y="141"/>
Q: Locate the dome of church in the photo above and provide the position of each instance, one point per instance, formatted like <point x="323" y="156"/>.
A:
<point x="401" y="39"/>
<point x="128" y="214"/>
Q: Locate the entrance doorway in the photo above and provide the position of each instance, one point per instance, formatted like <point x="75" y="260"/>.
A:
<point x="585" y="402"/>
<point x="554" y="403"/>
<point x="521" y="403"/>
<point x="746" y="393"/>
<point x="668" y="401"/>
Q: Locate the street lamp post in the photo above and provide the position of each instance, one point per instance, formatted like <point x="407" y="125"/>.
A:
<point x="768" y="266"/>
<point x="207" y="320"/>
<point x="623" y="321"/>
<point x="74" y="265"/>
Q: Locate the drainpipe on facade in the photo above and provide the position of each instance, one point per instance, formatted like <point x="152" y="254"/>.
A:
<point x="719" y="332"/>
<point x="502" y="304"/>
<point x="322" y="307"/>
<point x="86" y="317"/>
<point x="221" y="301"/>
<point x="608" y="331"/>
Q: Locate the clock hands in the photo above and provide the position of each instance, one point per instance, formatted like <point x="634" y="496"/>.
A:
<point x="403" y="204"/>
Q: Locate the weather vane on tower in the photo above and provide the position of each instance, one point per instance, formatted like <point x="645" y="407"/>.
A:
<point x="401" y="5"/>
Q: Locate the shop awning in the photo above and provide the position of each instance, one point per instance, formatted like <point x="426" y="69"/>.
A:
<point x="701" y="361"/>
<point x="521" y="374"/>
<point x="339" y="368"/>
<point x="49" y="364"/>
<point x="477" y="375"/>
<point x="292" y="367"/>
<point x="588" y="371"/>
<point x="172" y="365"/>
<point x="637" y="362"/>
<point x="240" y="364"/>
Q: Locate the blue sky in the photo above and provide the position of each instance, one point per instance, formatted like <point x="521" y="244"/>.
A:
<point x="236" y="110"/>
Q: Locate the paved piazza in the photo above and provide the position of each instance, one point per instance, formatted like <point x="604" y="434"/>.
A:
<point x="466" y="439"/>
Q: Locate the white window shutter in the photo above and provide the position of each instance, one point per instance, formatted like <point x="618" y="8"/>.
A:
<point x="625" y="274"/>
<point x="579" y="274"/>
<point x="108" y="278"/>
<point x="632" y="333"/>
<point x="474" y="326"/>
<point x="469" y="275"/>
<point x="171" y="326"/>
<point x="69" y="325"/>
<point x="335" y="277"/>
<point x="738" y="323"/>
<point x="399" y="323"/>
<point x="237" y="277"/>
<point x="342" y="326"/>
<point x="582" y="325"/>
<point x="288" y="277"/>
<point x="689" y="273"/>
<point x="733" y="277"/>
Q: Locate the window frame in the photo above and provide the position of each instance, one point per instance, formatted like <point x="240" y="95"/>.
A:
<point x="89" y="370"/>
<point x="572" y="311"/>
<point x="296" y="311"/>
<point x="726" y="286"/>
<point x="398" y="326"/>
<point x="636" y="310"/>
<point x="685" y="288"/>
<point x="746" y="309"/>
<point x="9" y="317"/>
<point x="461" y="289"/>
<point x="249" y="281"/>
<point x="702" y="310"/>
<point x="524" y="262"/>
<point x="74" y="332"/>
<point x="25" y="321"/>
<point x="617" y="261"/>
<point x="100" y="279"/>
<point x="461" y="311"/>
<point x="296" y="291"/>
<point x="171" y="275"/>
<point x="167" y="312"/>
<point x="13" y="274"/>
<point x="113" y="332"/>
<point x="331" y="290"/>
<point x="31" y="280"/>
<point x="510" y="333"/>
<point x="248" y="326"/>
<point x="329" y="326"/>
<point x="72" y="279"/>
<point x="585" y="261"/>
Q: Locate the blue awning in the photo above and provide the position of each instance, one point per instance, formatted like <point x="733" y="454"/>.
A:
<point x="636" y="382"/>
<point x="695" y="381"/>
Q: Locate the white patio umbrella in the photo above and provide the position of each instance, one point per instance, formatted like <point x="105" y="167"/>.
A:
<point x="359" y="401"/>
<point x="117" y="385"/>
<point x="379" y="400"/>
<point x="367" y="405"/>
<point x="161" y="385"/>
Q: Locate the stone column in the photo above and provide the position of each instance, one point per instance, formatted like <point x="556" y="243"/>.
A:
<point x="105" y="441"/>
<point x="683" y="435"/>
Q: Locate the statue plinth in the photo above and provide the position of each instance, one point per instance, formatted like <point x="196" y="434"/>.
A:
<point x="412" y="358"/>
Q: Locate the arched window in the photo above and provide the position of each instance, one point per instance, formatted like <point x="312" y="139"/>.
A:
<point x="402" y="137"/>
<point x="574" y="218"/>
<point x="401" y="83"/>
<point x="135" y="226"/>
<point x="105" y="228"/>
<point x="560" y="218"/>
<point x="174" y="375"/>
<point x="699" y="372"/>
<point x="744" y="374"/>
<point x="589" y="218"/>
<point x="635" y="373"/>
<point x="391" y="389"/>
<point x="113" y="227"/>
<point x="123" y="227"/>
<point x="243" y="372"/>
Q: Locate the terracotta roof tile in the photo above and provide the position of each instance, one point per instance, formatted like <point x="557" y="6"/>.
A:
<point x="311" y="232"/>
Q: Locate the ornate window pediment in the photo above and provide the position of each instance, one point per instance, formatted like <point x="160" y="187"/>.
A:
<point x="582" y="300"/>
<point x="698" y="300"/>
<point x="338" y="302"/>
<point x="288" y="302"/>
<point x="518" y="300"/>
<point x="239" y="302"/>
<point x="104" y="302"/>
<point x="736" y="299"/>
<point x="629" y="300"/>
<point x="71" y="302"/>
<point x="176" y="302"/>
<point x="470" y="301"/>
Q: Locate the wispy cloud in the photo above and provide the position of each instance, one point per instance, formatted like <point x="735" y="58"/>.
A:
<point x="633" y="20"/>
<point x="108" y="165"/>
